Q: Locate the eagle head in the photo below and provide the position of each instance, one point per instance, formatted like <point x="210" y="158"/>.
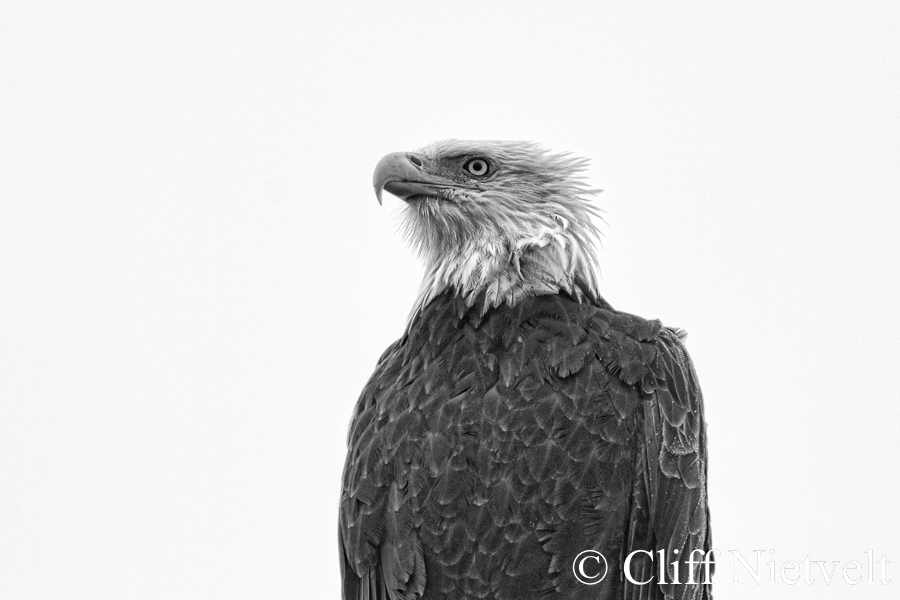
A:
<point x="495" y="220"/>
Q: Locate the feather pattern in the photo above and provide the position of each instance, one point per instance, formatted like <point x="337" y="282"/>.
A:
<point x="488" y="450"/>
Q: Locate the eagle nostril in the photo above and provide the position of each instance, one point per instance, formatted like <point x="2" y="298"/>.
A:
<point x="416" y="161"/>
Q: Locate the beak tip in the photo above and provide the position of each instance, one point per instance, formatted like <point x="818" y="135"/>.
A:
<point x="392" y="168"/>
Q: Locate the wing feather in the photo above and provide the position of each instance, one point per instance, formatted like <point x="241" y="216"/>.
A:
<point x="670" y="511"/>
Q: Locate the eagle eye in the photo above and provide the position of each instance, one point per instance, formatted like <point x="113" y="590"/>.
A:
<point x="477" y="166"/>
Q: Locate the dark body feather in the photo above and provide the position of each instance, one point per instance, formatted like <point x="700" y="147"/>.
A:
<point x="487" y="451"/>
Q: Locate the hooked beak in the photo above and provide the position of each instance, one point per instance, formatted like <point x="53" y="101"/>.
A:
<point x="401" y="174"/>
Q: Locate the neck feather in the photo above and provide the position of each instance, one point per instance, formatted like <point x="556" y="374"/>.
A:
<point x="551" y="261"/>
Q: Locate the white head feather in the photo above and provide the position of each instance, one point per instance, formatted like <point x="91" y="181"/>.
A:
<point x="522" y="229"/>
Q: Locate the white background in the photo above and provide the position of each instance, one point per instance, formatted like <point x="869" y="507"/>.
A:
<point x="196" y="280"/>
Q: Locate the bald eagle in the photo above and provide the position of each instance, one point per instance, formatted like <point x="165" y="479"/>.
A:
<point x="522" y="439"/>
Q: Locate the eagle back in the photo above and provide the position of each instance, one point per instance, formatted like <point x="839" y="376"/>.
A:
<point x="488" y="450"/>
